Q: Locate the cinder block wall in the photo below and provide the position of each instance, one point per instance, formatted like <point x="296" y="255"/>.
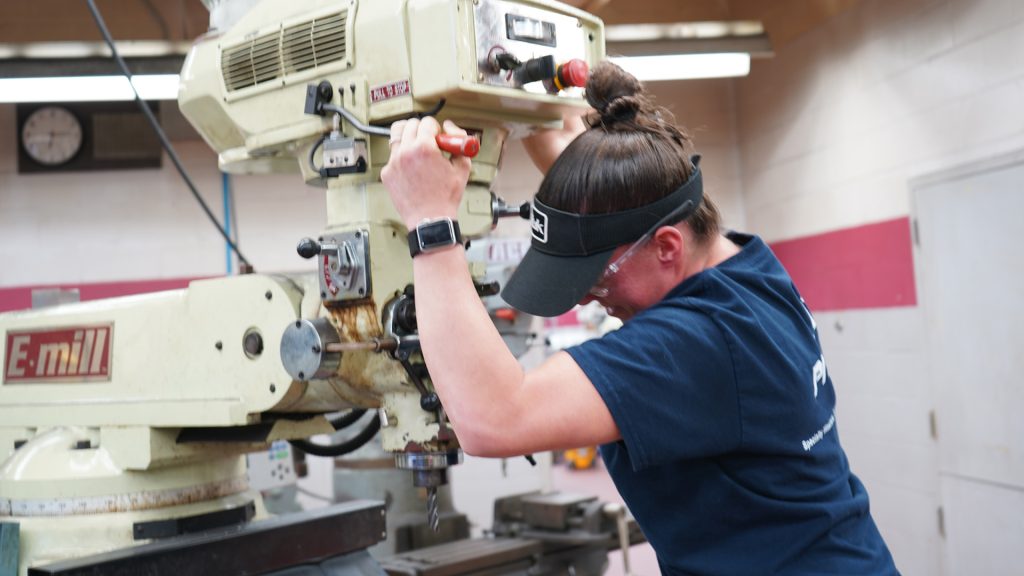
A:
<point x="830" y="132"/>
<point x="834" y="126"/>
<point x="704" y="107"/>
<point x="142" y="224"/>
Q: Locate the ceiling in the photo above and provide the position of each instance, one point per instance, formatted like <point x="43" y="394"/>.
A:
<point x="60" y="20"/>
<point x="783" y="20"/>
<point x="24" y="21"/>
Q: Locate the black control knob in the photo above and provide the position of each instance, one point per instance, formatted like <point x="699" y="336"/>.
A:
<point x="487" y="288"/>
<point x="307" y="248"/>
<point x="405" y="316"/>
<point x="542" y="68"/>
<point x="317" y="96"/>
<point x="324" y="91"/>
<point x="507" y="61"/>
<point x="430" y="402"/>
<point x="502" y="209"/>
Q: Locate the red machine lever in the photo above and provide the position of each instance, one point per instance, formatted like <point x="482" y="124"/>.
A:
<point x="467" y="146"/>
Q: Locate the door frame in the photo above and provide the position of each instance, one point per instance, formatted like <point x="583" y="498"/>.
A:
<point x="916" y="187"/>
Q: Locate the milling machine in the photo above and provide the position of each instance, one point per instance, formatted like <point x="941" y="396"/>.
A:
<point x="125" y="422"/>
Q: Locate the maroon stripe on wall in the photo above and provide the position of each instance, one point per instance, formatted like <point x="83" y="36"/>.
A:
<point x="20" y="298"/>
<point x="870" y="266"/>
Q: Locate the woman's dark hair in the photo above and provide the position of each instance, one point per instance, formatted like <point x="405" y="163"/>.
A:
<point x="631" y="155"/>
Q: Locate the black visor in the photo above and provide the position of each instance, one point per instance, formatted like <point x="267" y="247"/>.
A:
<point x="569" y="251"/>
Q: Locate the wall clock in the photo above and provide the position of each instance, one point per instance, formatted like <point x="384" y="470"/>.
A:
<point x="77" y="136"/>
<point x="51" y="135"/>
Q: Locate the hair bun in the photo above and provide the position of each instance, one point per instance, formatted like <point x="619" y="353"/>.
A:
<point x="622" y="108"/>
<point x="614" y="93"/>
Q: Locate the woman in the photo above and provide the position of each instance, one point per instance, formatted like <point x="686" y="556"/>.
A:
<point x="712" y="403"/>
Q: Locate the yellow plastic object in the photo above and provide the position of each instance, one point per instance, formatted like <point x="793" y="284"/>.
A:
<point x="581" y="458"/>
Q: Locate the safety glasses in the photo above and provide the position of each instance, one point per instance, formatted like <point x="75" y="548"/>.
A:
<point x="600" y="290"/>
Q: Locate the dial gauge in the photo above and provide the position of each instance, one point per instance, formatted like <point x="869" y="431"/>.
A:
<point x="51" y="135"/>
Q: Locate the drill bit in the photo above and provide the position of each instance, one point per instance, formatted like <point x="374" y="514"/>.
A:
<point x="432" y="514"/>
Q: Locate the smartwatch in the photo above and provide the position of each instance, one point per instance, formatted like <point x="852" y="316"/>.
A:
<point x="431" y="235"/>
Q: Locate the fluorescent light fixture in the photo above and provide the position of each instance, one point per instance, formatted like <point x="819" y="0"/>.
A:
<point x="72" y="50"/>
<point x="88" y="88"/>
<point x="685" y="66"/>
<point x="682" y="30"/>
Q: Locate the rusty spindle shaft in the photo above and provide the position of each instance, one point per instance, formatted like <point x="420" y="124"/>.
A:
<point x="375" y="345"/>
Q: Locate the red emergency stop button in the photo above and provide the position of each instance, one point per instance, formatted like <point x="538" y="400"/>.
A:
<point x="572" y="73"/>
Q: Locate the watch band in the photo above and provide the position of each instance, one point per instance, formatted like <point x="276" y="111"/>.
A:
<point x="447" y="226"/>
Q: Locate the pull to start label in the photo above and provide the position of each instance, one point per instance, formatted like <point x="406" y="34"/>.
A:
<point x="74" y="354"/>
<point x="389" y="91"/>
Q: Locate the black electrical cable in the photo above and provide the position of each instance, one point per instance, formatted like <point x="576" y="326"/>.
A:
<point x="312" y="155"/>
<point x="433" y="111"/>
<point x="342" y="448"/>
<point x="159" y="131"/>
<point x="347" y="419"/>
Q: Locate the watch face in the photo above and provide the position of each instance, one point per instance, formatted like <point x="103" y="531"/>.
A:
<point x="51" y="135"/>
<point x="436" y="234"/>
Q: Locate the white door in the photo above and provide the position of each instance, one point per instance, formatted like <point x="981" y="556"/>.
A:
<point x="970" y="256"/>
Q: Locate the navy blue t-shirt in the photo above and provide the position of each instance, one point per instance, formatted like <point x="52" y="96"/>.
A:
<point x="730" y="458"/>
